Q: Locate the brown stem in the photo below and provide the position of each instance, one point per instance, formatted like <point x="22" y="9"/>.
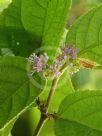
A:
<point x="45" y="108"/>
<point x="39" y="126"/>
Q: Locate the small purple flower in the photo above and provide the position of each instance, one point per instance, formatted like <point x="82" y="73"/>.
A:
<point x="57" y="64"/>
<point x="36" y="60"/>
<point x="40" y="62"/>
<point x="43" y="59"/>
<point x="59" y="60"/>
<point x="56" y="67"/>
<point x="69" y="52"/>
<point x="74" y="53"/>
<point x="65" y="50"/>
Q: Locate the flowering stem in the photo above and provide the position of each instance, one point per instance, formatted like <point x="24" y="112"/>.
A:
<point x="57" y="69"/>
<point x="45" y="108"/>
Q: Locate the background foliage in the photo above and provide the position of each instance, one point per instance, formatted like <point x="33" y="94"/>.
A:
<point x="14" y="34"/>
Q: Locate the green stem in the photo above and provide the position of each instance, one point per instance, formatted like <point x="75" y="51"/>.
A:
<point x="53" y="88"/>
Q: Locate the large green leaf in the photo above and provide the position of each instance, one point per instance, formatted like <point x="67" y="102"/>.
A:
<point x="71" y="128"/>
<point x="86" y="34"/>
<point x="84" y="108"/>
<point x="46" y="20"/>
<point x="13" y="34"/>
<point x="18" y="89"/>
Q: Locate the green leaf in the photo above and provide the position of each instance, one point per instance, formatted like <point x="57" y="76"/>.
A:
<point x="47" y="20"/>
<point x="83" y="108"/>
<point x="11" y="17"/>
<point x="77" y="81"/>
<point x="64" y="88"/>
<point x="18" y="89"/>
<point x="18" y="40"/>
<point x="4" y="4"/>
<point x="6" y="52"/>
<point x="70" y="128"/>
<point x="6" y="131"/>
<point x="86" y="34"/>
<point x="13" y="34"/>
<point x="33" y="16"/>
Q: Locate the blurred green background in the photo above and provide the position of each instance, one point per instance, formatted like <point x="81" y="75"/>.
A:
<point x="85" y="79"/>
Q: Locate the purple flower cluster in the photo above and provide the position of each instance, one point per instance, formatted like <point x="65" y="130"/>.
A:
<point x="57" y="65"/>
<point x="67" y="54"/>
<point x="40" y="62"/>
